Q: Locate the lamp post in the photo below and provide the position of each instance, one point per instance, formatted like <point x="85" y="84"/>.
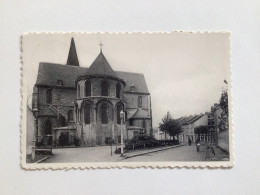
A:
<point x="35" y="133"/>
<point x="122" y="144"/>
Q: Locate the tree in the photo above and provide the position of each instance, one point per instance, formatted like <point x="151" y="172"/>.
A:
<point x="223" y="103"/>
<point x="202" y="129"/>
<point x="170" y="126"/>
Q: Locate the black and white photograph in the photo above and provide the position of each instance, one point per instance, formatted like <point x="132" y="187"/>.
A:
<point x="114" y="97"/>
<point x="156" y="98"/>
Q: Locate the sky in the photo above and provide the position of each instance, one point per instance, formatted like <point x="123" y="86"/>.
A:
<point x="184" y="71"/>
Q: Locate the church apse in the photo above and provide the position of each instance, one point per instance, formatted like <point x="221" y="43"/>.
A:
<point x="100" y="95"/>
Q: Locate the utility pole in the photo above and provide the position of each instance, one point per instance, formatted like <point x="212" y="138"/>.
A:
<point x="122" y="136"/>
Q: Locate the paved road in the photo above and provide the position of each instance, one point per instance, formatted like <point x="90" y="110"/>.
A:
<point x="88" y="154"/>
<point x="103" y="154"/>
<point x="183" y="153"/>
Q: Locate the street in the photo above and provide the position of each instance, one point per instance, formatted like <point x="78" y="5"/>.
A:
<point x="88" y="154"/>
<point x="103" y="154"/>
<point x="183" y="153"/>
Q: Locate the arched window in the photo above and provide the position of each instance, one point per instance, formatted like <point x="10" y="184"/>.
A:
<point x="48" y="127"/>
<point x="104" y="88"/>
<point x="76" y="112"/>
<point x="70" y="115"/>
<point x="104" y="114"/>
<point x="49" y="96"/>
<point x="78" y="90"/>
<point x="118" y="110"/>
<point x="87" y="89"/>
<point x="87" y="114"/>
<point x="62" y="120"/>
<point x="143" y="124"/>
<point x="118" y="90"/>
<point x="59" y="82"/>
<point x="132" y="88"/>
<point x="139" y="102"/>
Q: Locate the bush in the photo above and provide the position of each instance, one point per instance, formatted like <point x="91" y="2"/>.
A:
<point x="145" y="141"/>
<point x="77" y="141"/>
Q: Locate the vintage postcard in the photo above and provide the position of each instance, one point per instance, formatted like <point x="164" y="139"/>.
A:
<point x="107" y="100"/>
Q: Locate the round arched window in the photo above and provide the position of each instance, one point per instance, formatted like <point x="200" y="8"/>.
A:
<point x="59" y="83"/>
<point x="132" y="88"/>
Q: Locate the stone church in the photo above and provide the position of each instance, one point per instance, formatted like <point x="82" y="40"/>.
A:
<point x="71" y="103"/>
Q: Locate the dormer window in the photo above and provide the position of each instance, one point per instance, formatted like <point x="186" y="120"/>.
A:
<point x="59" y="83"/>
<point x="132" y="88"/>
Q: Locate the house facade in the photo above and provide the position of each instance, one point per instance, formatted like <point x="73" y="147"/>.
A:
<point x="84" y="104"/>
<point x="209" y="119"/>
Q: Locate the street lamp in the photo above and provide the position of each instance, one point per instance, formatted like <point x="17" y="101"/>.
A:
<point x="35" y="133"/>
<point x="122" y="144"/>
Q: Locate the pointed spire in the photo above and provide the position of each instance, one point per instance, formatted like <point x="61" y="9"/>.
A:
<point x="72" y="57"/>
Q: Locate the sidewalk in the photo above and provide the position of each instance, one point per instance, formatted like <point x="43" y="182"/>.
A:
<point x="148" y="151"/>
<point x="209" y="155"/>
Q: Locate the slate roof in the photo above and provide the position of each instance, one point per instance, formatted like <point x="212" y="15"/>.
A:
<point x="72" y="57"/>
<point x="131" y="112"/>
<point x="50" y="73"/>
<point x="140" y="113"/>
<point x="189" y="120"/>
<point x="133" y="79"/>
<point x="100" y="66"/>
<point x="50" y="111"/>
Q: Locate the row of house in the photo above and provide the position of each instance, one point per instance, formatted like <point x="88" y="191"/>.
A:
<point x="189" y="123"/>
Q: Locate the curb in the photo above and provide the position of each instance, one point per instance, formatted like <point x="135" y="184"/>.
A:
<point x="41" y="160"/>
<point x="148" y="152"/>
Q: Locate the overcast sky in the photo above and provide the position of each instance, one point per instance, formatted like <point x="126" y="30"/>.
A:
<point x="184" y="71"/>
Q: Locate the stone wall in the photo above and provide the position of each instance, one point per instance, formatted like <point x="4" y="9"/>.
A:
<point x="62" y="99"/>
<point x="29" y="127"/>
<point x="62" y="102"/>
<point x="132" y="100"/>
<point x="223" y="140"/>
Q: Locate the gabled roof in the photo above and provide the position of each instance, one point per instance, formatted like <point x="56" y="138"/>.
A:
<point x="50" y="111"/>
<point x="131" y="112"/>
<point x="189" y="120"/>
<point x="140" y="113"/>
<point x="100" y="66"/>
<point x="49" y="74"/>
<point x="72" y="57"/>
<point x="133" y="79"/>
<point x="194" y="119"/>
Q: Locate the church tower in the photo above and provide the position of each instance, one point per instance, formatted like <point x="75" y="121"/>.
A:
<point x="99" y="103"/>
